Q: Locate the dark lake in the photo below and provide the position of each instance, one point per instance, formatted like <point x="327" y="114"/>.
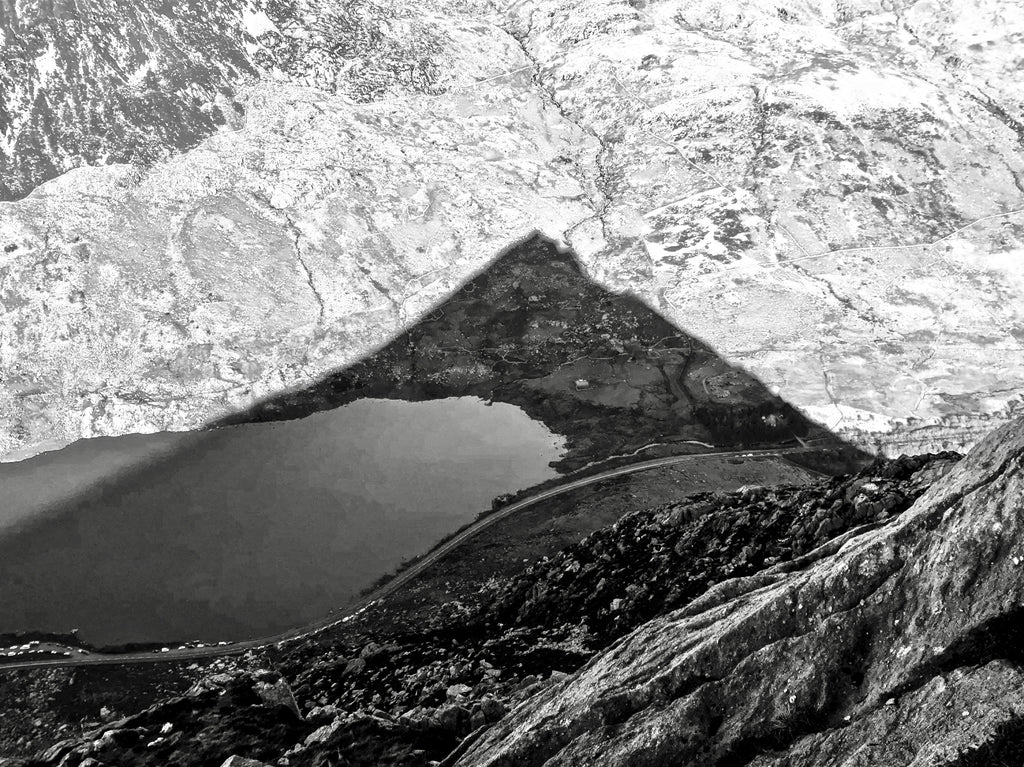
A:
<point x="248" y="530"/>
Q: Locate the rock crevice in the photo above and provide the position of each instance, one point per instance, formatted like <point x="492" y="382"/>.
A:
<point x="307" y="274"/>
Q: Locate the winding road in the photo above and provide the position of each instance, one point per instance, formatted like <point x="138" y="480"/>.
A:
<point x="402" y="578"/>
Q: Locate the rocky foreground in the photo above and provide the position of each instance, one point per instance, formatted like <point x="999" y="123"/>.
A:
<point x="738" y="628"/>
<point x="903" y="647"/>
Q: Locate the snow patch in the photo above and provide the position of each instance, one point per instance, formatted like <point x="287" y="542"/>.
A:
<point x="848" y="92"/>
<point x="46" y="62"/>
<point x="136" y="77"/>
<point x="834" y="415"/>
<point x="257" y="23"/>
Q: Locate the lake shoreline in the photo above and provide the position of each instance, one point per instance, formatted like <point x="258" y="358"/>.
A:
<point x="249" y="530"/>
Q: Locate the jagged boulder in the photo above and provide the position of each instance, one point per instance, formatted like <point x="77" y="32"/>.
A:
<point x="322" y="734"/>
<point x="902" y="645"/>
<point x="241" y="761"/>
<point x="274" y="691"/>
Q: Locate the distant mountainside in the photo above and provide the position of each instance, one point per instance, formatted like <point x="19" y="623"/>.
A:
<point x="97" y="82"/>
<point x="830" y="195"/>
<point x="113" y="81"/>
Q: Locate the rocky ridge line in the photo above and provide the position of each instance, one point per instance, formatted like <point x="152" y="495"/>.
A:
<point x="902" y="648"/>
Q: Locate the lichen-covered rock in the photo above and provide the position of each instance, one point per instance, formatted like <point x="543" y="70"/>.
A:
<point x="904" y="647"/>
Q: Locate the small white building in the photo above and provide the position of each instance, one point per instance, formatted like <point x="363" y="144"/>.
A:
<point x="582" y="383"/>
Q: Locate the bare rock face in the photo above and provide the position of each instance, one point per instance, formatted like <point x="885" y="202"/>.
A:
<point x="277" y="693"/>
<point x="827" y="194"/>
<point x="902" y="648"/>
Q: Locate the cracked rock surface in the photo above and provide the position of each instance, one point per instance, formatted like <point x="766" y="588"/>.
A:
<point x="827" y="194"/>
<point x="901" y="648"/>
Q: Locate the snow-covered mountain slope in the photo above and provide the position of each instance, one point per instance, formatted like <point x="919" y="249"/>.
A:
<point x="112" y="81"/>
<point x="90" y="82"/>
<point x="829" y="194"/>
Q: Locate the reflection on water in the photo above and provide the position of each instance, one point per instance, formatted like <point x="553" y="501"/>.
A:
<point x="253" y="529"/>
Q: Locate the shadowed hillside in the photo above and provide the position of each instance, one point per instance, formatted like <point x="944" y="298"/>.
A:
<point x="604" y="369"/>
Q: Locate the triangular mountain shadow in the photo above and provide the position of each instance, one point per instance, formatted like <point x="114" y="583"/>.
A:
<point x="603" y="369"/>
<point x="206" y="538"/>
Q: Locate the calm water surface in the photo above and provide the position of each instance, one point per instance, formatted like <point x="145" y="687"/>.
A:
<point x="249" y="530"/>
